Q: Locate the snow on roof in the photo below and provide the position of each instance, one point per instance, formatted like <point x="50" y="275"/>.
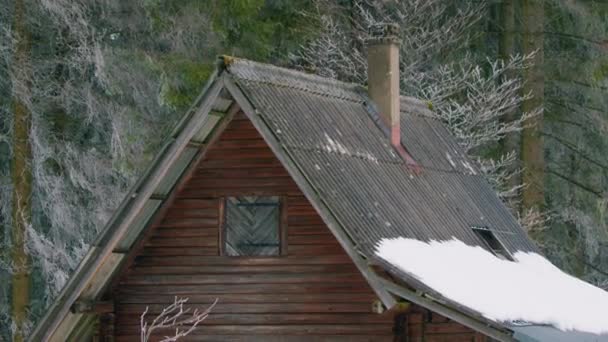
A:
<point x="529" y="289"/>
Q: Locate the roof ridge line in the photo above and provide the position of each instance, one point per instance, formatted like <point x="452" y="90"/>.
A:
<point x="301" y="88"/>
<point x="247" y="70"/>
<point x="229" y="61"/>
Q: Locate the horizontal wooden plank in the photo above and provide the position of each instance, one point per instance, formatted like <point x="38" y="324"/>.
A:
<point x="309" y="230"/>
<point x="269" y="269"/>
<point x="195" y="203"/>
<point x="437" y="318"/>
<point x="275" y="338"/>
<point x="307" y="250"/>
<point x="311" y="239"/>
<point x="243" y="163"/>
<point x="231" y="144"/>
<point x="291" y="329"/>
<point x="299" y="199"/>
<point x="245" y="278"/>
<point x="237" y="126"/>
<point x="243" y="191"/>
<point x="239" y="153"/>
<point x="242" y="123"/>
<point x="189" y="222"/>
<point x="244" y="261"/>
<point x="234" y="183"/>
<point x="177" y="232"/>
<point x="450" y="338"/>
<point x="239" y="116"/>
<point x="281" y="318"/>
<point x="211" y="212"/>
<point x="304" y="221"/>
<point x="179" y="251"/>
<point x="301" y="211"/>
<point x="232" y="298"/>
<point x="241" y="173"/>
<point x="183" y="242"/>
<point x="240" y="135"/>
<point x="446" y="328"/>
<point x="154" y="309"/>
<point x="187" y="290"/>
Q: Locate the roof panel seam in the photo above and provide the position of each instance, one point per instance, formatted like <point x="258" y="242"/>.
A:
<point x="379" y="161"/>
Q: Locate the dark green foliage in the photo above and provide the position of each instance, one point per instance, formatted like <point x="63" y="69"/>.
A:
<point x="260" y="29"/>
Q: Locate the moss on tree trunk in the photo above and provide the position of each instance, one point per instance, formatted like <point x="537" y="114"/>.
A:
<point x="511" y="141"/>
<point x="532" y="147"/>
<point x="21" y="175"/>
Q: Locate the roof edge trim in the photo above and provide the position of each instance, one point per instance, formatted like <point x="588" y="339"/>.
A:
<point x="453" y="314"/>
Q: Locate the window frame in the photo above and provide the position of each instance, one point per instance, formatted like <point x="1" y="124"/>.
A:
<point x="482" y="234"/>
<point x="282" y="227"/>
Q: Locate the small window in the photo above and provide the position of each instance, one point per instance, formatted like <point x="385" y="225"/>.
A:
<point x="492" y="243"/>
<point x="252" y="226"/>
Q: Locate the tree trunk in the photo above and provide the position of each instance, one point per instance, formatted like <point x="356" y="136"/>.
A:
<point x="20" y="173"/>
<point x="511" y="141"/>
<point x="532" y="150"/>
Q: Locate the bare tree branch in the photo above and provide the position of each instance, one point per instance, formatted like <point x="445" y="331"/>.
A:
<point x="173" y="316"/>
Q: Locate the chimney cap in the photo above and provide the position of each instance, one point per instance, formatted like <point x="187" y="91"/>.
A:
<point x="383" y="33"/>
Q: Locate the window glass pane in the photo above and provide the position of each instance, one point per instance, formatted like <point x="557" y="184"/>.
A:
<point x="252" y="226"/>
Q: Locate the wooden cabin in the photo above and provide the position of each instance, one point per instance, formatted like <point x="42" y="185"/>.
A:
<point x="270" y="196"/>
<point x="240" y="230"/>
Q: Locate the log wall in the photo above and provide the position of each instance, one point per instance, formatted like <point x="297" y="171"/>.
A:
<point x="314" y="293"/>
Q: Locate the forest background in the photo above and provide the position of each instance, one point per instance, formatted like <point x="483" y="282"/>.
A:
<point x="89" y="90"/>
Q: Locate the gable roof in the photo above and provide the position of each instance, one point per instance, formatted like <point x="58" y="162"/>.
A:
<point x="327" y="135"/>
<point x="329" y="131"/>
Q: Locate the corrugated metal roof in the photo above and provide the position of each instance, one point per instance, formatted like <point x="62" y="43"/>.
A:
<point x="327" y="128"/>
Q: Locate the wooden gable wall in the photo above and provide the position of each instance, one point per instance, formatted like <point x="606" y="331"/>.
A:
<point x="314" y="293"/>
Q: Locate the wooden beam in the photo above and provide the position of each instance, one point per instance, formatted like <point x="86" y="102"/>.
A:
<point x="92" y="307"/>
<point x="492" y="330"/>
<point x="196" y="144"/>
<point x="158" y="197"/>
<point x="123" y="219"/>
<point x="187" y="174"/>
<point x="312" y="196"/>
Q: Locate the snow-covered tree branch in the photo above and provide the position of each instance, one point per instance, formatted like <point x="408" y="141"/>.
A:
<point x="473" y="97"/>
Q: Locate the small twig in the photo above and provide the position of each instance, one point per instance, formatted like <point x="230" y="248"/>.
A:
<point x="172" y="317"/>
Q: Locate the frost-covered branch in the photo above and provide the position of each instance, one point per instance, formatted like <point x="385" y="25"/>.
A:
<point x="93" y="106"/>
<point x="175" y="317"/>
<point x="474" y="98"/>
<point x="534" y="221"/>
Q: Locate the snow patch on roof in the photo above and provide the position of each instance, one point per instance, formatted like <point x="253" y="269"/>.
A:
<point x="449" y="157"/>
<point x="528" y="289"/>
<point x="337" y="147"/>
<point x="334" y="146"/>
<point x="469" y="167"/>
